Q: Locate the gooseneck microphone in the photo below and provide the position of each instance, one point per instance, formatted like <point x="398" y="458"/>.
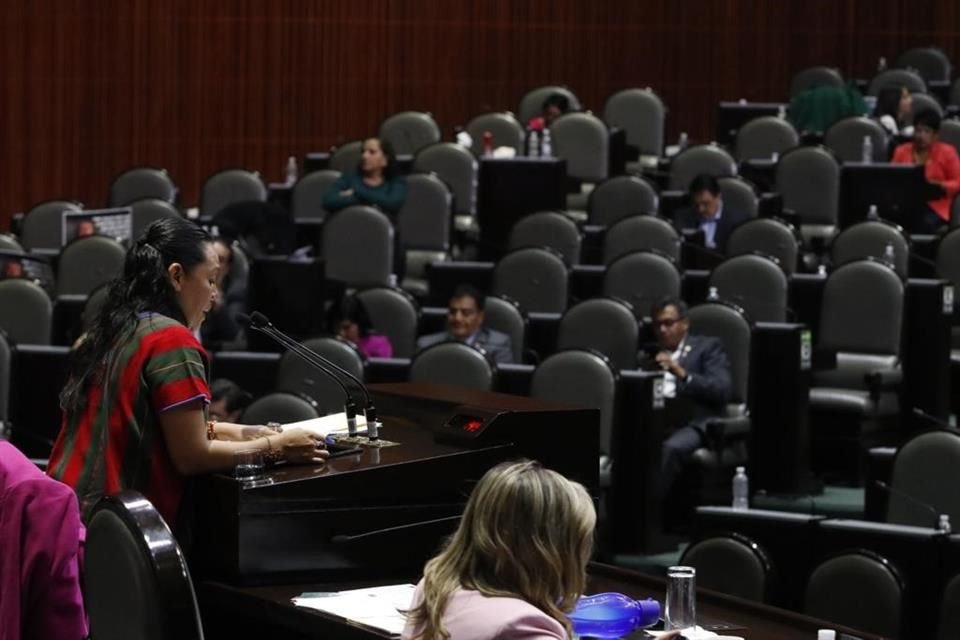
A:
<point x="259" y="322"/>
<point x="893" y="491"/>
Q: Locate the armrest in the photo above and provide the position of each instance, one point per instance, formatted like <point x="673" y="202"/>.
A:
<point x="720" y="431"/>
<point x="884" y="379"/>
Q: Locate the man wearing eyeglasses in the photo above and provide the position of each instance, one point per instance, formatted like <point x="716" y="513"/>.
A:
<point x="696" y="384"/>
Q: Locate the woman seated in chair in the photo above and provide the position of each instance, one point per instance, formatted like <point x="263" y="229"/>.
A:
<point x="135" y="404"/>
<point x="352" y="322"/>
<point x="376" y="183"/>
<point x="894" y="106"/>
<point x="515" y="566"/>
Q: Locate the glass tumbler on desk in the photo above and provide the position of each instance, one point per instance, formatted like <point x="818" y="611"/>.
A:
<point x="681" y="607"/>
<point x="248" y="464"/>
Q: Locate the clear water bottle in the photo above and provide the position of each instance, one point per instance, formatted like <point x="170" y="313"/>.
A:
<point x="872" y="213"/>
<point x="881" y="64"/>
<point x="782" y="112"/>
<point x="741" y="489"/>
<point x="683" y="141"/>
<point x="533" y="145"/>
<point x="889" y="254"/>
<point x="290" y="171"/>
<point x="713" y="294"/>
<point x="866" y="151"/>
<point x="943" y="524"/>
<point x="613" y="615"/>
<point x="546" y="145"/>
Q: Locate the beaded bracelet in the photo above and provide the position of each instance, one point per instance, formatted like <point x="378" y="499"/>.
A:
<point x="211" y="434"/>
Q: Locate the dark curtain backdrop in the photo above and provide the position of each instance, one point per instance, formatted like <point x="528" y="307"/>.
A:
<point x="93" y="87"/>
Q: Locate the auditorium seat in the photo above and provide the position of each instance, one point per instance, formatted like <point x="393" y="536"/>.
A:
<point x="453" y="363"/>
<point x="845" y="139"/>
<point x="280" y="407"/>
<point x="425" y="224"/>
<point x="755" y="283"/>
<point x="458" y="168"/>
<point x="856" y="404"/>
<point x="605" y="325"/>
<point x="395" y="314"/>
<point x="26" y="312"/>
<point x="535" y="277"/>
<point x="146" y="211"/>
<point x="731" y="564"/>
<point x="869" y="239"/>
<point x="693" y="161"/>
<point x="230" y="186"/>
<point x="583" y="140"/>
<point x="306" y="201"/>
<point x="921" y="472"/>
<point x="503" y="128"/>
<point x="895" y="79"/>
<point x="808" y="178"/>
<point x="815" y="77"/>
<point x="547" y="229"/>
<point x="358" y="247"/>
<point x="641" y="278"/>
<point x="859" y="589"/>
<point x="345" y="158"/>
<point x="931" y="63"/>
<point x="768" y="236"/>
<point x="764" y="137"/>
<point x="641" y="113"/>
<point x="950" y="610"/>
<point x="88" y="262"/>
<point x="505" y="315"/>
<point x="531" y="104"/>
<point x="42" y="225"/>
<point x="138" y="183"/>
<point x="410" y="131"/>
<point x="8" y="242"/>
<point x="739" y="195"/>
<point x="619" y="197"/>
<point x="296" y="376"/>
<point x="641" y="233"/>
<point x="950" y="133"/>
<point x="135" y="577"/>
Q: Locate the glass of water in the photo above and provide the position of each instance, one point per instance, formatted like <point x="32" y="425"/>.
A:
<point x="248" y="464"/>
<point x="681" y="608"/>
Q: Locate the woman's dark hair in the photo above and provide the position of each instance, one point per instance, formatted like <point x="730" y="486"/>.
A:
<point x="144" y="286"/>
<point x="352" y="308"/>
<point x="390" y="171"/>
<point x="888" y="102"/>
<point x="927" y="118"/>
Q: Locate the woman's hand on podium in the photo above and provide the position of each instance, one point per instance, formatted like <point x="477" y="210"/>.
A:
<point x="298" y="447"/>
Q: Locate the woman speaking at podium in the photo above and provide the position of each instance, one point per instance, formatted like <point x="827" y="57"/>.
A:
<point x="515" y="566"/>
<point x="134" y="407"/>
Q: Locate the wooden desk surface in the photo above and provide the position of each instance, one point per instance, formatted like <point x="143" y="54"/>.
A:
<point x="265" y="612"/>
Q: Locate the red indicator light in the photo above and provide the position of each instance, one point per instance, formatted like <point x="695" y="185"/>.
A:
<point x="472" y="426"/>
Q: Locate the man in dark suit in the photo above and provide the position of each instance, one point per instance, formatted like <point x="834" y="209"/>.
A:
<point x="708" y="214"/>
<point x="465" y="323"/>
<point x="697" y="384"/>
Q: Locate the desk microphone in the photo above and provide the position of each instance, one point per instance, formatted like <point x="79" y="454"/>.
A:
<point x="932" y="419"/>
<point x="259" y="322"/>
<point x="941" y="524"/>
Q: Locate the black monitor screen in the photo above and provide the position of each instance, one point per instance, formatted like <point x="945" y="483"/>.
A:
<point x="899" y="192"/>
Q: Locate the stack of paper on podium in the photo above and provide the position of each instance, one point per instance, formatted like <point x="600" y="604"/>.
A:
<point x="333" y="423"/>
<point x="376" y="607"/>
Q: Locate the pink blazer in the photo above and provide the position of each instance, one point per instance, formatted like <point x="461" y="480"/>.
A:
<point x="471" y="615"/>
<point x="40" y="593"/>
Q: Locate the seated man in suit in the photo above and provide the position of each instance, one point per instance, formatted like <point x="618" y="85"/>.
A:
<point x="708" y="214"/>
<point x="465" y="323"/>
<point x="696" y="384"/>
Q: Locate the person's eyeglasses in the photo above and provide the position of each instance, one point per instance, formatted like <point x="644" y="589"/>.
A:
<point x="666" y="322"/>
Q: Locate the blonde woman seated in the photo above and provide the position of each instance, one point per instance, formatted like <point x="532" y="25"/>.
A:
<point x="516" y="565"/>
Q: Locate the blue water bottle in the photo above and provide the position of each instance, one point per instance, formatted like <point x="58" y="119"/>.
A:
<point x="613" y="615"/>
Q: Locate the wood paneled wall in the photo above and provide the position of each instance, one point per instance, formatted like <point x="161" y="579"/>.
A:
<point x="91" y="87"/>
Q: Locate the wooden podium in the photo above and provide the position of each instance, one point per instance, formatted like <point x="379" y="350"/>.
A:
<point x="384" y="510"/>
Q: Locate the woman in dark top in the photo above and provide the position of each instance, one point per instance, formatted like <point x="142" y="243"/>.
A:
<point x="375" y="183"/>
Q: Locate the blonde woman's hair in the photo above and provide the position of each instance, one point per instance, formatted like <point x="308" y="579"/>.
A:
<point x="527" y="532"/>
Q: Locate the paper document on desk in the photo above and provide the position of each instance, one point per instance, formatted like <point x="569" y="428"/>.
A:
<point x="333" y="423"/>
<point x="377" y="607"/>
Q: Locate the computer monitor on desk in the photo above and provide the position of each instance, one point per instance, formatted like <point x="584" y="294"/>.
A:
<point x="899" y="192"/>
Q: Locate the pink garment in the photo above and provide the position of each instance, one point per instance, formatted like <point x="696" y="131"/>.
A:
<point x="41" y="541"/>
<point x="375" y="345"/>
<point x="470" y="615"/>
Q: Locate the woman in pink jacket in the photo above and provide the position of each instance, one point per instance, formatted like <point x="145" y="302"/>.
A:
<point x="516" y="565"/>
